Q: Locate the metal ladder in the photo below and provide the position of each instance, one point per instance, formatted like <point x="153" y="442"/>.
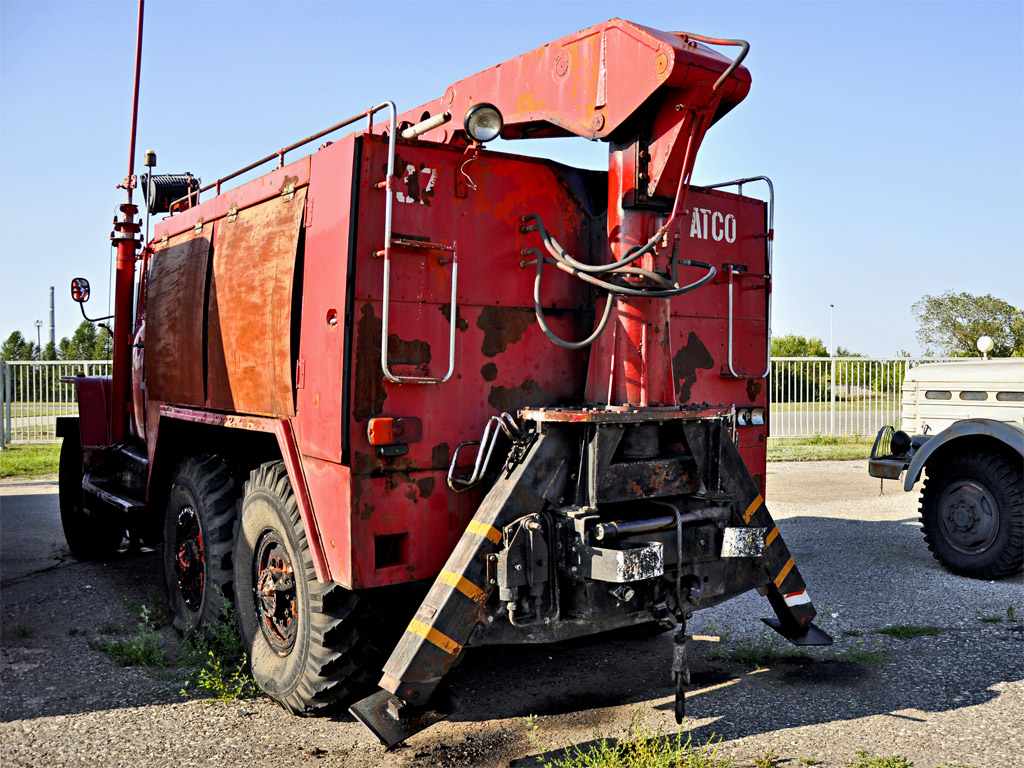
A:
<point x="405" y="243"/>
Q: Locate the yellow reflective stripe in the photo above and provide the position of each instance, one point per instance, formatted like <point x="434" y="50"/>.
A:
<point x="771" y="536"/>
<point x="439" y="639"/>
<point x="464" y="585"/>
<point x="784" y="572"/>
<point x="752" y="508"/>
<point x="485" y="530"/>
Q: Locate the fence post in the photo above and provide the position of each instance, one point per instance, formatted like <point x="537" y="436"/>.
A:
<point x="7" y="397"/>
<point x="832" y="388"/>
<point x="3" y="406"/>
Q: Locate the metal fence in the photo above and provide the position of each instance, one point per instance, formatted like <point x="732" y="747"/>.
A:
<point x="843" y="396"/>
<point x="839" y="396"/>
<point x="33" y="396"/>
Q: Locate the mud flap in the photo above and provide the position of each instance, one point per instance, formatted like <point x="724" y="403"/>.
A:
<point x="785" y="588"/>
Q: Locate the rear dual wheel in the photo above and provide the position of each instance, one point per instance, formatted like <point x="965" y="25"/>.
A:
<point x="311" y="646"/>
<point x="199" y="523"/>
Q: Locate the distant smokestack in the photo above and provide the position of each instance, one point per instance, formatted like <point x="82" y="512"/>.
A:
<point x="53" y="331"/>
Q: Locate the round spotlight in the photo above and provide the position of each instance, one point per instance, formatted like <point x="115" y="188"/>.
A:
<point x="483" y="122"/>
<point x="900" y="443"/>
<point x="985" y="344"/>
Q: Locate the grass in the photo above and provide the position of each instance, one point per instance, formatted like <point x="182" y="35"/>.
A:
<point x="858" y="654"/>
<point x="907" y="631"/>
<point x="759" y="652"/>
<point x="818" y="448"/>
<point x="810" y="760"/>
<point x="867" y="760"/>
<point x="29" y="459"/>
<point x="639" y="748"/>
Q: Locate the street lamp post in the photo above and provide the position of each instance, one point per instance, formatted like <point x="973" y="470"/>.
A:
<point x="39" y="337"/>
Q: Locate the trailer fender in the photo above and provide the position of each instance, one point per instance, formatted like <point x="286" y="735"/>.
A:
<point x="282" y="430"/>
<point x="1006" y="433"/>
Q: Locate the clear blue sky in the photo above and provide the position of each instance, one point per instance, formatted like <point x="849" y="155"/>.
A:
<point x="894" y="132"/>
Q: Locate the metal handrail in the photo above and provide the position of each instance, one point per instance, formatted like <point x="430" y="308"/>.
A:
<point x="770" y="236"/>
<point x="368" y="114"/>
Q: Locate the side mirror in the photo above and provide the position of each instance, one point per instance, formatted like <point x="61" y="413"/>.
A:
<point x="80" y="290"/>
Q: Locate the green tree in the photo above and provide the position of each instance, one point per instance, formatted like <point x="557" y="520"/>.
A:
<point x="86" y="343"/>
<point x="791" y="345"/>
<point x="950" y="324"/>
<point x="17" y="347"/>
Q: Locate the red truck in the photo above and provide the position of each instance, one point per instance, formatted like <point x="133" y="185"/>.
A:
<point x="526" y="400"/>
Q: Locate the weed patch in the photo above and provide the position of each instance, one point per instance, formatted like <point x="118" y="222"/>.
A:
<point x="23" y="630"/>
<point x="220" y="660"/>
<point x="907" y="631"/>
<point x="142" y="650"/>
<point x="640" y="748"/>
<point x="810" y="760"/>
<point x="867" y="760"/>
<point x="766" y="759"/>
<point x="991" y="619"/>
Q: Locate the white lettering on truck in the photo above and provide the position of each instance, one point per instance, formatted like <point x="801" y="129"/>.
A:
<point x="705" y="222"/>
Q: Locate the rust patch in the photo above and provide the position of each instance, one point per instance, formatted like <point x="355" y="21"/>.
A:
<point x="288" y="181"/>
<point x="410" y="494"/>
<point x="461" y="323"/>
<point x="687" y="361"/>
<point x="418" y="180"/>
<point x="759" y="482"/>
<point x="441" y="456"/>
<point x="503" y="327"/>
<point x="489" y="372"/>
<point x="366" y="511"/>
<point x="527" y="394"/>
<point x="754" y="387"/>
<point x="401" y="352"/>
<point x="363" y="463"/>
<point x="369" y="395"/>
<point x="426" y="485"/>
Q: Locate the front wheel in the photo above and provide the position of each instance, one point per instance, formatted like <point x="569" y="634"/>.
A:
<point x="972" y="512"/>
<point x="311" y="645"/>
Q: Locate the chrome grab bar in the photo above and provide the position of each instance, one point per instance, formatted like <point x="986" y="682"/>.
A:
<point x="770" y="236"/>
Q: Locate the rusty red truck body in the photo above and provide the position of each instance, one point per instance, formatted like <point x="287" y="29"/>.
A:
<point x="534" y="393"/>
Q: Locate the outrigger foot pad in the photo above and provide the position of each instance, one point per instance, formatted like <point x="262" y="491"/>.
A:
<point x="393" y="721"/>
<point x="812" y="636"/>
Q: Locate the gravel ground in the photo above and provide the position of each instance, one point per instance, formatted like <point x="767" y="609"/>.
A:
<point x="955" y="697"/>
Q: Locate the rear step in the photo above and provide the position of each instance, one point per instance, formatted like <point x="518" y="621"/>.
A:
<point x="121" y="502"/>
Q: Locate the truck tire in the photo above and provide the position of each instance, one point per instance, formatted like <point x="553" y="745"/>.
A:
<point x="972" y="511"/>
<point x="199" y="525"/>
<point x="311" y="646"/>
<point x="90" y="534"/>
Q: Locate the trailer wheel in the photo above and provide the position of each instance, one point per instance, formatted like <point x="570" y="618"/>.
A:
<point x="311" y="645"/>
<point x="972" y="511"/>
<point x="199" y="524"/>
<point x="91" y="534"/>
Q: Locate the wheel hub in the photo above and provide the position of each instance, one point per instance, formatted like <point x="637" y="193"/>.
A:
<point x="189" y="561"/>
<point x="275" y="593"/>
<point x="969" y="516"/>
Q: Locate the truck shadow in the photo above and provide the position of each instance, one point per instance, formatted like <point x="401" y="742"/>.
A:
<point x="887" y="577"/>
